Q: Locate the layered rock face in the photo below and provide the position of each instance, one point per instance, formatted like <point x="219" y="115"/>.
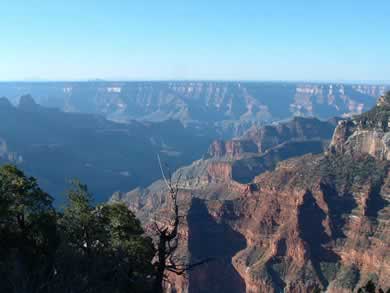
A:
<point x="317" y="222"/>
<point x="230" y="106"/>
<point x="260" y="148"/>
<point x="232" y="148"/>
<point x="262" y="139"/>
<point x="368" y="133"/>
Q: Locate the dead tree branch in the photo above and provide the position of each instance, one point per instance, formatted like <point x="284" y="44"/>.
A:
<point x="167" y="237"/>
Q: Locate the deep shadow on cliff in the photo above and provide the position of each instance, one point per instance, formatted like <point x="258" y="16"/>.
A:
<point x="316" y="222"/>
<point x="208" y="238"/>
<point x="312" y="231"/>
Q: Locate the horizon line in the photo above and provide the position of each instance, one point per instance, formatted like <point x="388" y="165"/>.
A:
<point x="101" y="80"/>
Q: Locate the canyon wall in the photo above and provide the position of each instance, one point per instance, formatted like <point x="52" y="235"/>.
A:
<point x="316" y="222"/>
<point x="232" y="107"/>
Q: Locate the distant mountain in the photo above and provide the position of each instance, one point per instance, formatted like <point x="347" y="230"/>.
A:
<point x="309" y="223"/>
<point x="55" y="146"/>
<point x="231" y="107"/>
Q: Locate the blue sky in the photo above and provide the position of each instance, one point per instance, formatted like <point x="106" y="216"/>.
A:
<point x="222" y="40"/>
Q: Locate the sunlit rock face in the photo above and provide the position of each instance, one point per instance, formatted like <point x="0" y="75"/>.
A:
<point x="314" y="222"/>
<point x="261" y="139"/>
<point x="368" y="133"/>
<point x="322" y="221"/>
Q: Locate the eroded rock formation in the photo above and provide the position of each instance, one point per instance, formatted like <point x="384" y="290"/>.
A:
<point x="315" y="222"/>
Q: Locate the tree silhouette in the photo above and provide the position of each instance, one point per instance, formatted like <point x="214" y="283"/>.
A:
<point x="167" y="237"/>
<point x="28" y="234"/>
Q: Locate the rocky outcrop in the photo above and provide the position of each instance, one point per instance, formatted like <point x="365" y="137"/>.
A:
<point x="260" y="148"/>
<point x="306" y="231"/>
<point x="246" y="168"/>
<point x="234" y="148"/>
<point x="298" y="129"/>
<point x="219" y="171"/>
<point x="259" y="140"/>
<point x="317" y="222"/>
<point x="27" y="103"/>
<point x="367" y="133"/>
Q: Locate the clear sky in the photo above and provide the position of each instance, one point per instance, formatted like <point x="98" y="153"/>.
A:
<point x="195" y="39"/>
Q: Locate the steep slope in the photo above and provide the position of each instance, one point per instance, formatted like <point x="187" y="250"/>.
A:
<point x="367" y="133"/>
<point x="315" y="222"/>
<point x="55" y="147"/>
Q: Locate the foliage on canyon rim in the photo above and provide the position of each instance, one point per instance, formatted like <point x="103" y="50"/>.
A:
<point x="89" y="248"/>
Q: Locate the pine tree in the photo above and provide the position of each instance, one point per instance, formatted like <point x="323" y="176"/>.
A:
<point x="28" y="234"/>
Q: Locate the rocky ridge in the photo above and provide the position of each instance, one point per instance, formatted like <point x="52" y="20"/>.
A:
<point x="54" y="146"/>
<point x="315" y="222"/>
<point x="230" y="107"/>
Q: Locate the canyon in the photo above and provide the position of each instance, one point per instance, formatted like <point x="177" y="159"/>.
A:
<point x="230" y="107"/>
<point x="56" y="146"/>
<point x="111" y="132"/>
<point x="280" y="201"/>
<point x="302" y="223"/>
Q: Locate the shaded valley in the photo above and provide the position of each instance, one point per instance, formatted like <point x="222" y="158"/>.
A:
<point x="55" y="147"/>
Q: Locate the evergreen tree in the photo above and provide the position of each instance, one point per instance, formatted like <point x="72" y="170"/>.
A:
<point x="103" y="247"/>
<point x="86" y="248"/>
<point x="28" y="234"/>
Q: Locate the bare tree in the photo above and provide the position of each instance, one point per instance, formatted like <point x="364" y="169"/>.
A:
<point x="167" y="238"/>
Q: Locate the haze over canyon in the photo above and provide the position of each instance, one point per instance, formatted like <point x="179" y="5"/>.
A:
<point x="285" y="186"/>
